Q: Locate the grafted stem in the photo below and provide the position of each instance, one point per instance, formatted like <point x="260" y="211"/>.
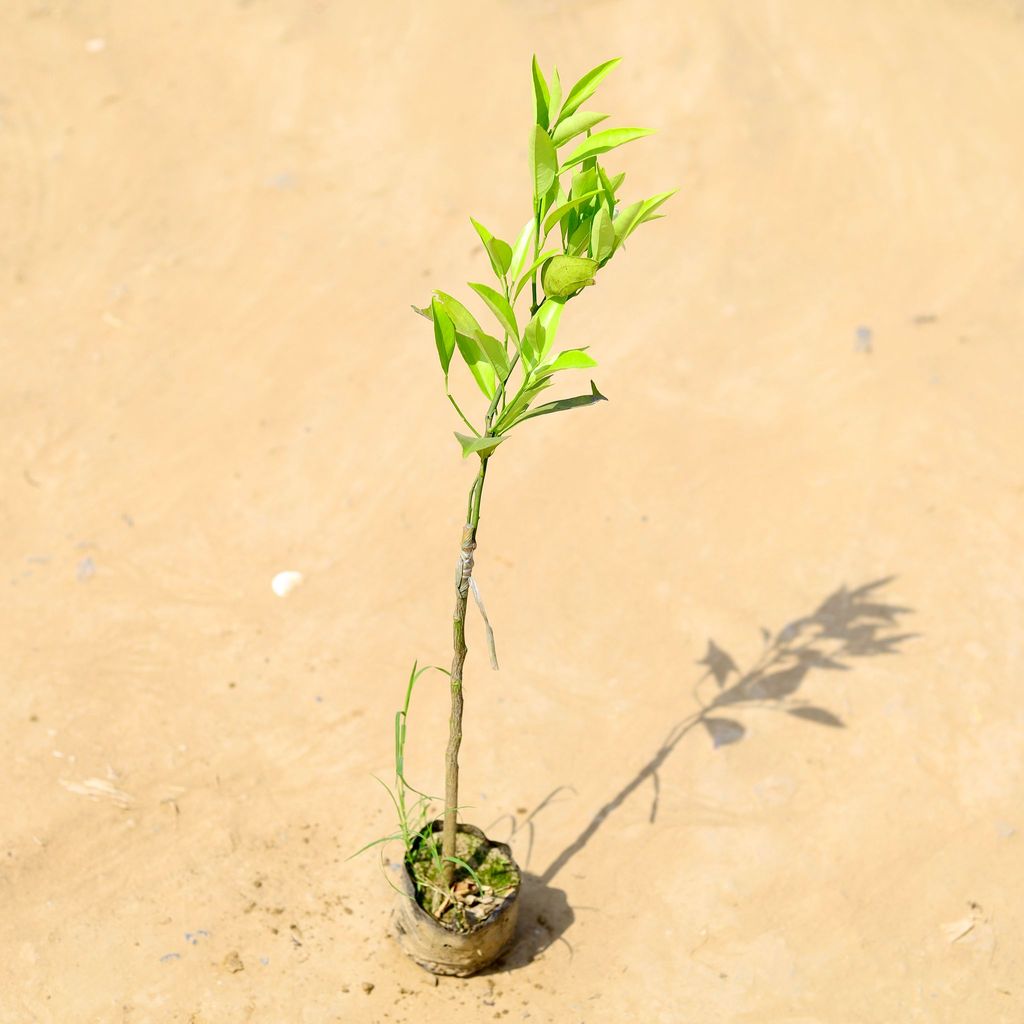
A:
<point x="463" y="574"/>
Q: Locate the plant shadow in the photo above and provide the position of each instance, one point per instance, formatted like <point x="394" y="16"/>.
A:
<point x="846" y="626"/>
<point x="544" y="917"/>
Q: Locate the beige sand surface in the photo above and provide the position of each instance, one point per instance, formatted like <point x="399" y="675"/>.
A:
<point x="213" y="219"/>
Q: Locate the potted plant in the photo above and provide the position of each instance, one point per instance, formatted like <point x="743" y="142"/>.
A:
<point x="459" y="904"/>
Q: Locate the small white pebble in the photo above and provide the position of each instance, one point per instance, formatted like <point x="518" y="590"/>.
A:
<point x="97" y="45"/>
<point x="285" y="582"/>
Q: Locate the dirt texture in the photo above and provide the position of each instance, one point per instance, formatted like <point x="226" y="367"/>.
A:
<point x="213" y="219"/>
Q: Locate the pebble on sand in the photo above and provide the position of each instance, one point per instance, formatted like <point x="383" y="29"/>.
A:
<point x="285" y="582"/>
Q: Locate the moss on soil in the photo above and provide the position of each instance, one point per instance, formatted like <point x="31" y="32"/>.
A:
<point x="491" y="867"/>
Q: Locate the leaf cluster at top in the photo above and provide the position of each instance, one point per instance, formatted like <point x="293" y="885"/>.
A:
<point x="576" y="198"/>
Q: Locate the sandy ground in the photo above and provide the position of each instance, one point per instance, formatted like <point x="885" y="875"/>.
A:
<point x="213" y="219"/>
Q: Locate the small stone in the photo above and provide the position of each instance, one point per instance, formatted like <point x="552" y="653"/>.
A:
<point x="285" y="582"/>
<point x="233" y="962"/>
<point x="368" y="987"/>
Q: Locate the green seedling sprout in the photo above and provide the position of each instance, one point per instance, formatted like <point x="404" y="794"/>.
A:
<point x="578" y="224"/>
<point x="418" y="810"/>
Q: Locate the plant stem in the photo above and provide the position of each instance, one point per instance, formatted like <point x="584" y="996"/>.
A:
<point x="463" y="573"/>
<point x="462" y="414"/>
<point x="534" y="306"/>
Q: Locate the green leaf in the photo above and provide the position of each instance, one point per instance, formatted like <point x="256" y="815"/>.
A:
<point x="560" y="211"/>
<point x="585" y="87"/>
<point x="602" y="236"/>
<point x="540" y="94"/>
<point x="519" y="404"/>
<point x="631" y="217"/>
<point x="554" y="97"/>
<point x="625" y="219"/>
<point x="585" y="182"/>
<point x="578" y="242"/>
<point x="652" y="204"/>
<point x="498" y="252"/>
<point x="499" y="306"/>
<point x="543" y="162"/>
<point x="465" y="322"/>
<point x="563" y="404"/>
<point x="552" y="197"/>
<point x="563" y="276"/>
<point x="535" y="265"/>
<point x="424" y="311"/>
<point x="444" y="335"/>
<point x="570" y="127"/>
<point x="570" y="359"/>
<point x="466" y="866"/>
<point x="482" y="446"/>
<point x="604" y="141"/>
<point x="495" y="352"/>
<point x="539" y="335"/>
<point x="376" y="842"/>
<point x="520" y="251"/>
<point x="609" y="189"/>
<point x="478" y="363"/>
